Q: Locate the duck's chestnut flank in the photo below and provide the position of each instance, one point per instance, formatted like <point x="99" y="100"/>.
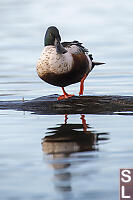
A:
<point x="63" y="64"/>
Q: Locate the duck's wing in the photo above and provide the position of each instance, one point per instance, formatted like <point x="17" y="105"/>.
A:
<point x="76" y="46"/>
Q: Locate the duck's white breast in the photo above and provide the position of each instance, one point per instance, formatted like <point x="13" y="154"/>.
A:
<point x="51" y="62"/>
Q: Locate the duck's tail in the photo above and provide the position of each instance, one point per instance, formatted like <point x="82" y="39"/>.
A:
<point x="97" y="63"/>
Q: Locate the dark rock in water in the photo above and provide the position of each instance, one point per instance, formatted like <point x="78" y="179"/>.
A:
<point x="73" y="105"/>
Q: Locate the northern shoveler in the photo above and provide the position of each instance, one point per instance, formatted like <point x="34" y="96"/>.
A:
<point x="63" y="64"/>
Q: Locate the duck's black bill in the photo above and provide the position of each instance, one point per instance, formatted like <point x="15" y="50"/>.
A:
<point x="59" y="47"/>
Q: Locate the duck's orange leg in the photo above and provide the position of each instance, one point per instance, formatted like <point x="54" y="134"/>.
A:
<point x="65" y="95"/>
<point x="82" y="85"/>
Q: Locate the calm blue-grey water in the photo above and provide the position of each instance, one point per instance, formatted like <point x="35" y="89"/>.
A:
<point x="41" y="157"/>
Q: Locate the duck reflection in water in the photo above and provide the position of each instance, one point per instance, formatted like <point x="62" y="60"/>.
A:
<point x="65" y="139"/>
<point x="70" y="138"/>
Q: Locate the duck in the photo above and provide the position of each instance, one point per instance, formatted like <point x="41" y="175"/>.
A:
<point x="64" y="63"/>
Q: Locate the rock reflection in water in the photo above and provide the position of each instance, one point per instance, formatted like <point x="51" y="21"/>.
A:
<point x="65" y="139"/>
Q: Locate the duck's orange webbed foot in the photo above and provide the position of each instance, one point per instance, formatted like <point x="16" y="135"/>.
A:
<point x="82" y="85"/>
<point x="65" y="95"/>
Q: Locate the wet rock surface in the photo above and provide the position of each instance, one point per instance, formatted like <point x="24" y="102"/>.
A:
<point x="74" y="105"/>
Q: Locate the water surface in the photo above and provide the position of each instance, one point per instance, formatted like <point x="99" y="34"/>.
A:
<point x="52" y="157"/>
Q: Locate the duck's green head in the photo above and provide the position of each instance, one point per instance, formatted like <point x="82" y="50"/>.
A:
<point x="52" y="37"/>
<point x="52" y="33"/>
